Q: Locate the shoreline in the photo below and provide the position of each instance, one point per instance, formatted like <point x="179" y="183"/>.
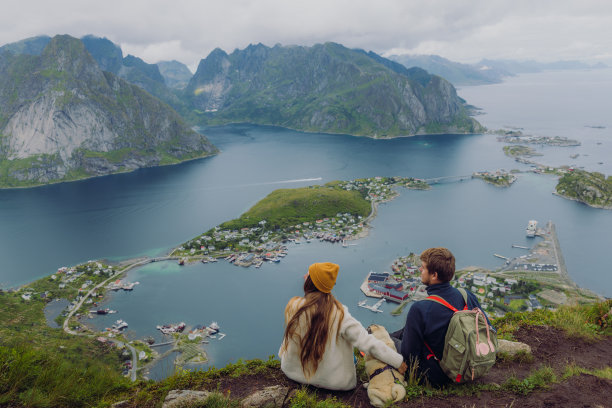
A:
<point x="484" y="131"/>
<point x="109" y="174"/>
<point x="599" y="207"/>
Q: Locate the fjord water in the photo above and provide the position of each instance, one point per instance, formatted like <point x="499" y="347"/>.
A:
<point x="152" y="210"/>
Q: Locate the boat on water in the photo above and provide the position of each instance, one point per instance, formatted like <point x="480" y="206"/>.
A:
<point x="212" y="329"/>
<point x="181" y="262"/>
<point x="105" y="311"/>
<point x="120" y="325"/>
<point x="344" y="244"/>
<point x="129" y="286"/>
<point x="531" y="228"/>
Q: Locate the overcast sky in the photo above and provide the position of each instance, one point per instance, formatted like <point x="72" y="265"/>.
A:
<point x="461" y="30"/>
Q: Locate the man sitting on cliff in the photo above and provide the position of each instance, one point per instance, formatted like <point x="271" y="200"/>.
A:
<point x="428" y="321"/>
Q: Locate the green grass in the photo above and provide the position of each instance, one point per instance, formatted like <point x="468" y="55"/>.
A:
<point x="214" y="400"/>
<point x="51" y="376"/>
<point x="589" y="322"/>
<point x="539" y="379"/>
<point x="286" y="207"/>
<point x="307" y="399"/>
<point x="114" y="156"/>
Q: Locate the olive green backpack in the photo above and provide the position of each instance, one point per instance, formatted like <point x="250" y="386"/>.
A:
<point x="469" y="346"/>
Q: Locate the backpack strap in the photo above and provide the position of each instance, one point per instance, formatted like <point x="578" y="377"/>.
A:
<point x="438" y="299"/>
<point x="464" y="294"/>
<point x="441" y="301"/>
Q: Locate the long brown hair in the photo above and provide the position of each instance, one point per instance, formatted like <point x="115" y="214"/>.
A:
<point x="319" y="310"/>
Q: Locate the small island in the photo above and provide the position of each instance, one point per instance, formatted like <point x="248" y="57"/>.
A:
<point x="519" y="137"/>
<point x="518" y="151"/>
<point x="499" y="178"/>
<point x="591" y="188"/>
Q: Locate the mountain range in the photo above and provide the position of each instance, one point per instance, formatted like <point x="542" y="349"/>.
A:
<point x="73" y="108"/>
<point x="324" y="88"/>
<point x="486" y="71"/>
<point x="63" y="118"/>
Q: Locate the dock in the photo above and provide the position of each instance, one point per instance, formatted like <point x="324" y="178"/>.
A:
<point x="368" y="292"/>
<point x="374" y="308"/>
<point x="519" y="246"/>
<point x="501" y="256"/>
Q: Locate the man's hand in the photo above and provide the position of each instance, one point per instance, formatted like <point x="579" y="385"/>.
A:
<point x="402" y="369"/>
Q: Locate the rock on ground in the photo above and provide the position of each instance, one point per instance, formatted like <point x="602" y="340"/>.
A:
<point x="176" y="398"/>
<point x="273" y="396"/>
<point x="512" y="347"/>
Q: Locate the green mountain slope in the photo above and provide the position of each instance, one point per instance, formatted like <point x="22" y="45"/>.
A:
<point x="327" y="88"/>
<point x="63" y="118"/>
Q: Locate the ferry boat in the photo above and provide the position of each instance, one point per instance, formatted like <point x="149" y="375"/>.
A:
<point x="531" y="228"/>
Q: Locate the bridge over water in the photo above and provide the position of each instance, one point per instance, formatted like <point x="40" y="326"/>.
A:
<point x="447" y="179"/>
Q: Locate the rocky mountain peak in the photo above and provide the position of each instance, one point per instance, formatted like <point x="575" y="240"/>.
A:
<point x="68" y="55"/>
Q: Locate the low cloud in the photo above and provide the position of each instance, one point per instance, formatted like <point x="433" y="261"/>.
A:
<point x="466" y="31"/>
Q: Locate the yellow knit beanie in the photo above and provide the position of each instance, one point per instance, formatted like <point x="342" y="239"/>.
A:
<point x="323" y="275"/>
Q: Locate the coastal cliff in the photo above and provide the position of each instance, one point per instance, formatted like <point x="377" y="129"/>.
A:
<point x="325" y="88"/>
<point x="63" y="118"/>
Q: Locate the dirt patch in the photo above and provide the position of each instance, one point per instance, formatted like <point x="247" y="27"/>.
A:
<point x="552" y="347"/>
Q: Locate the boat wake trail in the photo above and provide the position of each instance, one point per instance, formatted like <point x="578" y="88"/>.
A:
<point x="283" y="182"/>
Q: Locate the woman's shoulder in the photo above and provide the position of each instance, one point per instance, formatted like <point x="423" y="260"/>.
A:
<point x="293" y="304"/>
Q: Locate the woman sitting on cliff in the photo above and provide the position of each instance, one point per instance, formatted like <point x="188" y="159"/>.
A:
<point x="320" y="334"/>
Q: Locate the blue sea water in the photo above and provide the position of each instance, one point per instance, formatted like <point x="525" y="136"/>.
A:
<point x="149" y="211"/>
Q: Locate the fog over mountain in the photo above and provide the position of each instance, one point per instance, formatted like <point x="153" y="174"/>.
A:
<point x="466" y="31"/>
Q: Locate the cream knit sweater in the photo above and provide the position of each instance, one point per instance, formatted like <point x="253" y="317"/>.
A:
<point x="336" y="370"/>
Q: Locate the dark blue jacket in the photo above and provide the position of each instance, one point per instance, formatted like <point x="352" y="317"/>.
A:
<point x="428" y="321"/>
